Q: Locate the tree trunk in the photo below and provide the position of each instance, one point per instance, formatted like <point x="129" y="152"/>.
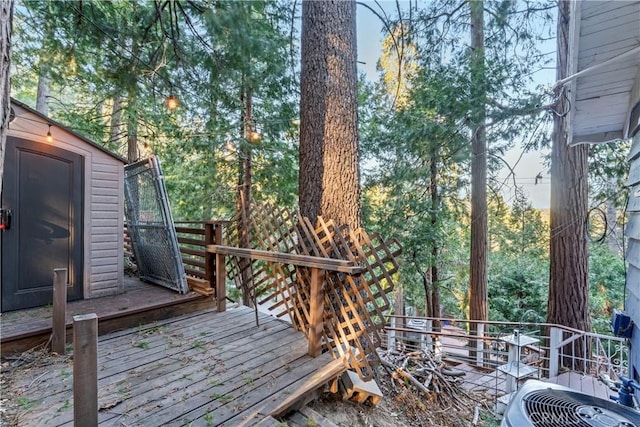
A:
<point x="329" y="170"/>
<point x="568" y="277"/>
<point x="244" y="198"/>
<point x="435" y="250"/>
<point x="132" y="136"/>
<point x="116" y="122"/>
<point x="6" y="20"/>
<point x="478" y="260"/>
<point x="478" y="293"/>
<point x="42" y="96"/>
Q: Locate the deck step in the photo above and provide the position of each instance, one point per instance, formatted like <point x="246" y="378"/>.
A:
<point x="308" y="417"/>
<point x="268" y="421"/>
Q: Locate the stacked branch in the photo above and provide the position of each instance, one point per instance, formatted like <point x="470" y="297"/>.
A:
<point x="419" y="370"/>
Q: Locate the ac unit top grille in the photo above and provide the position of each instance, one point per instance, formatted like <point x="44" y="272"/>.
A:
<point x="553" y="408"/>
<point x="540" y="404"/>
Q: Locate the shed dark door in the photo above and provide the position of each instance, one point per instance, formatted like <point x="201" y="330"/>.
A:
<point x="43" y="188"/>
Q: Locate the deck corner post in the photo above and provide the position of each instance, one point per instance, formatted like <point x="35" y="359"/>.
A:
<point x="391" y="340"/>
<point x="316" y="310"/>
<point x="221" y="289"/>
<point x="209" y="258"/>
<point x="85" y="370"/>
<point x="555" y="337"/>
<point x="59" y="327"/>
<point x="426" y="339"/>
<point x="480" y="344"/>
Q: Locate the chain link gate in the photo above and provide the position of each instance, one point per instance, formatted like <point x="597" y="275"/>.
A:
<point x="153" y="236"/>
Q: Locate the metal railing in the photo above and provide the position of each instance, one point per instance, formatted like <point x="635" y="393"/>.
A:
<point x="552" y="349"/>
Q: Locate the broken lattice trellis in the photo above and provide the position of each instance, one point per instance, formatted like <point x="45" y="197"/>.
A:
<point x="354" y="305"/>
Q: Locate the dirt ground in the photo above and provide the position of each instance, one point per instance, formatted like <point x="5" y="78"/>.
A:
<point x="400" y="407"/>
<point x="404" y="407"/>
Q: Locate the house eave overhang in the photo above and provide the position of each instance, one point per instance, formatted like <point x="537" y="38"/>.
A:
<point x="603" y="86"/>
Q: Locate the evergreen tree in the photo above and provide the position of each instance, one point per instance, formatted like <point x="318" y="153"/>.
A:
<point x="568" y="302"/>
<point x="329" y="158"/>
<point x="6" y="19"/>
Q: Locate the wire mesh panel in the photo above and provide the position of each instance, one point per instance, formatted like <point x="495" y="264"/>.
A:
<point x="153" y="236"/>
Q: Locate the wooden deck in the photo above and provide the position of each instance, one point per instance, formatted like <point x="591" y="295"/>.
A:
<point x="494" y="383"/>
<point x="140" y="303"/>
<point x="205" y="368"/>
<point x="583" y="383"/>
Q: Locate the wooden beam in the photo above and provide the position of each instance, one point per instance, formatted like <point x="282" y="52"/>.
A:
<point x="316" y="310"/>
<point x="59" y="328"/>
<point x="200" y="286"/>
<point x="319" y="379"/>
<point x="221" y="288"/>
<point x="85" y="370"/>
<point x="209" y="260"/>
<point x="328" y="264"/>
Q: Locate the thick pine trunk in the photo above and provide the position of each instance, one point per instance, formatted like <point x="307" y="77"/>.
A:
<point x="478" y="261"/>
<point x="6" y="19"/>
<point x="568" y="278"/>
<point x="478" y="293"/>
<point x="329" y="171"/>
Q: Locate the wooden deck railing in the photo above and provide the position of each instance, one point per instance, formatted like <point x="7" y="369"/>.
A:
<point x="193" y="237"/>
<point x="318" y="265"/>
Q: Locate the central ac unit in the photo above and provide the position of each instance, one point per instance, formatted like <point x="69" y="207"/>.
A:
<point x="540" y="404"/>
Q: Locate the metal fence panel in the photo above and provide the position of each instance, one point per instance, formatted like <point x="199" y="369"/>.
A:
<point x="153" y="236"/>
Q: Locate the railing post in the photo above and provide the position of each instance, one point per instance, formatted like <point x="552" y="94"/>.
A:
<point x="391" y="341"/>
<point x="221" y="288"/>
<point x="85" y="370"/>
<point x="316" y="310"/>
<point x="209" y="258"/>
<point x="59" y="327"/>
<point x="480" y="344"/>
<point x="428" y="339"/>
<point x="555" y="338"/>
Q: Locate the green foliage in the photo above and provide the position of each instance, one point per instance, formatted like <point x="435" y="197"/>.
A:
<point x="518" y="271"/>
<point x="517" y="285"/>
<point x="606" y="285"/>
<point x="429" y="128"/>
<point x="112" y="64"/>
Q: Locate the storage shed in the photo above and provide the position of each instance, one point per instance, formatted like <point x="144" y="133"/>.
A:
<point x="62" y="200"/>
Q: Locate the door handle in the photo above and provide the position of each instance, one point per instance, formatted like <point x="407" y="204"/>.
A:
<point x="5" y="219"/>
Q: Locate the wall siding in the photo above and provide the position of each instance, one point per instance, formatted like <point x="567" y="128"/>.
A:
<point x="632" y="303"/>
<point x="107" y="221"/>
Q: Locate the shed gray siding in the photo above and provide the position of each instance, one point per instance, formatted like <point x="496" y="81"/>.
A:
<point x="632" y="303"/>
<point x="106" y="221"/>
<point x="103" y="264"/>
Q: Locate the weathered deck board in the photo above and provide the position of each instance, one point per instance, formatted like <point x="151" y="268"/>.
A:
<point x="583" y="383"/>
<point x="207" y="368"/>
<point x="308" y="417"/>
<point x="142" y="302"/>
